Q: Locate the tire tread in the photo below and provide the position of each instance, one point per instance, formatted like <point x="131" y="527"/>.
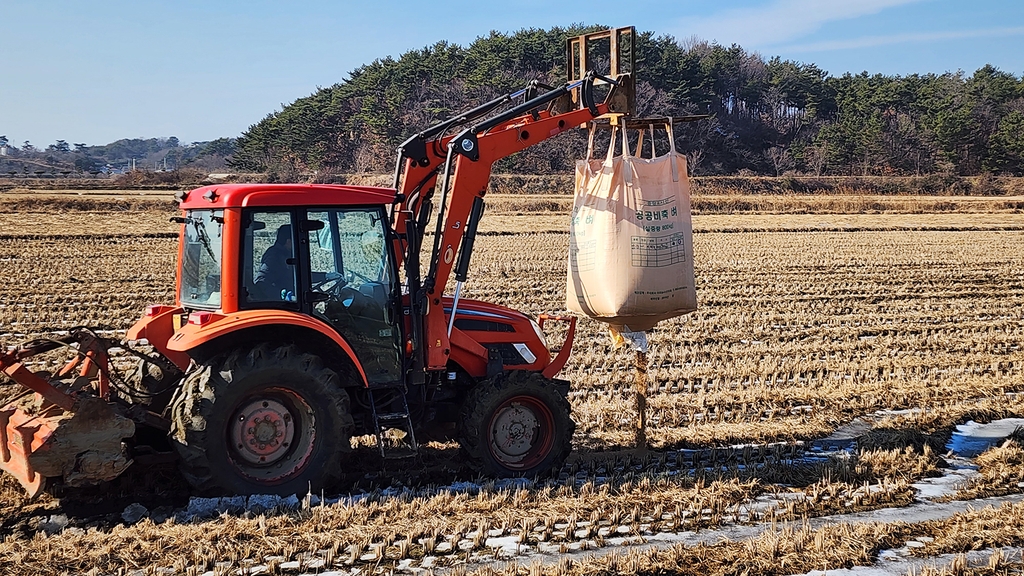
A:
<point x="194" y="405"/>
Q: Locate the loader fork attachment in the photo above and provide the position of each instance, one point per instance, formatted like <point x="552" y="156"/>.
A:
<point x="608" y="54"/>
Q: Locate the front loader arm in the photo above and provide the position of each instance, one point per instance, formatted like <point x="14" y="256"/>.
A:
<point x="423" y="155"/>
<point x="470" y="157"/>
<point x="465" y="172"/>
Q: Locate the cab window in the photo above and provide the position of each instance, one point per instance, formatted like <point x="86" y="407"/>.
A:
<point x="200" y="263"/>
<point x="268" y="259"/>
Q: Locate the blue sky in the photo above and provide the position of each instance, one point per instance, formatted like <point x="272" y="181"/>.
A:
<point x="97" y="71"/>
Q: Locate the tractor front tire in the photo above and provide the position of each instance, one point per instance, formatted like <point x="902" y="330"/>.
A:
<point x="268" y="420"/>
<point x="517" y="424"/>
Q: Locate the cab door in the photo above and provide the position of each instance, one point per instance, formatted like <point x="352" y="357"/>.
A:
<point x="354" y="287"/>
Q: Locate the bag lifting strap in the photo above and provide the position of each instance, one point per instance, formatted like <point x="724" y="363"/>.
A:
<point x="627" y="166"/>
<point x="640" y="143"/>
<point x="590" y="142"/>
<point x="654" y="152"/>
<point x="672" y="149"/>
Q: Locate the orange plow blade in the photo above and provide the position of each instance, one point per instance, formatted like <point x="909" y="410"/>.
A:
<point x="20" y="434"/>
<point x="39" y="440"/>
<point x="62" y="431"/>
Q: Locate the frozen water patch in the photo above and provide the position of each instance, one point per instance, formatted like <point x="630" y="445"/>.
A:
<point x="200" y="508"/>
<point x="960" y="471"/>
<point x="204" y="508"/>
<point x="899" y="563"/>
<point x="915" y="513"/>
<point x="514" y="483"/>
<point x="844" y="438"/>
<point x="500" y="546"/>
<point x="470" y="487"/>
<point x="506" y="546"/>
<point x="971" y="439"/>
<point x="134" y="512"/>
<point x="840" y="444"/>
<point x="54" y="524"/>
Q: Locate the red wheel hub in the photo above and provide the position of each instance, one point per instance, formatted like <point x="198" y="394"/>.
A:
<point x="263" y="431"/>
<point x="521" y="432"/>
<point x="272" y="435"/>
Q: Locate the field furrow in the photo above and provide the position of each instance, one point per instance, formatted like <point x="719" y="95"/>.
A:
<point x="899" y="326"/>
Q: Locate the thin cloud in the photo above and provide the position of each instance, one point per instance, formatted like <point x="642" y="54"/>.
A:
<point x="873" y="41"/>
<point x="780" y="21"/>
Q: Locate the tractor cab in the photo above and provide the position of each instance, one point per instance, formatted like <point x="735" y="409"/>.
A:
<point x="251" y="249"/>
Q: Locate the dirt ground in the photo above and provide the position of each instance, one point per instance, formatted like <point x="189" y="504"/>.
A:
<point x="899" y="325"/>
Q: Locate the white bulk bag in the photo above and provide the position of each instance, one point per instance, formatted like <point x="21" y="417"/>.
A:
<point x="630" y="240"/>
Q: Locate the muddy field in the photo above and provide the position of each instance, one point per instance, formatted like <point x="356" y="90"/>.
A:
<point x="813" y="414"/>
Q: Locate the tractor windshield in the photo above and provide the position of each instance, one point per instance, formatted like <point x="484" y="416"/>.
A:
<point x="200" y="262"/>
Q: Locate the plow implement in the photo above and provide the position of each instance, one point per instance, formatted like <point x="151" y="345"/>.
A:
<point x="64" y="425"/>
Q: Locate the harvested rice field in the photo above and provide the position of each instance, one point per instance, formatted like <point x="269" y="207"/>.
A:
<point x="847" y="398"/>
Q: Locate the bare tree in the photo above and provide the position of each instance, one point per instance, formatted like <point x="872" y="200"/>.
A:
<point x="816" y="158"/>
<point x="371" y="156"/>
<point x="693" y="159"/>
<point x="696" y="45"/>
<point x="651" y="101"/>
<point x="780" y="158"/>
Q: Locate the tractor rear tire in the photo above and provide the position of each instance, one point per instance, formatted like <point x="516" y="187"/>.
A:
<point x="517" y="424"/>
<point x="268" y="420"/>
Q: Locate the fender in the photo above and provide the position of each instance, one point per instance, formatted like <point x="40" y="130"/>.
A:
<point x="157" y="326"/>
<point x="203" y="327"/>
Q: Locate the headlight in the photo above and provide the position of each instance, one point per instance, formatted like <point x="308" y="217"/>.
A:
<point x="540" y="334"/>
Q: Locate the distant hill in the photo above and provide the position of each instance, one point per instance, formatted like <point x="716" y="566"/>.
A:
<point x="771" y="116"/>
<point x="117" y="157"/>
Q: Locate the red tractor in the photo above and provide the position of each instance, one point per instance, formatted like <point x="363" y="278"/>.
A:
<point x="304" y="317"/>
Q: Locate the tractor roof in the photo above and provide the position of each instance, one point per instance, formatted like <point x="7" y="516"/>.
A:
<point x="284" y="195"/>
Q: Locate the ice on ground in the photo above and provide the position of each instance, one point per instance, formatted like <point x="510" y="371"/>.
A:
<point x="471" y="487"/>
<point x="512" y="483"/>
<point x="548" y="553"/>
<point x="199" y="508"/>
<point x="960" y="471"/>
<point x="54" y="523"/>
<point x="972" y="438"/>
<point x="207" y="507"/>
<point x="897" y="564"/>
<point x="844" y="438"/>
<point x="507" y="546"/>
<point x="134" y="512"/>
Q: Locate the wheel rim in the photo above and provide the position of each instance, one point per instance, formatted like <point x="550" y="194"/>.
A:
<point x="271" y="435"/>
<point x="521" y="433"/>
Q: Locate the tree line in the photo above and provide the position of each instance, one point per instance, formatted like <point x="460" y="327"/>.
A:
<point x="120" y="155"/>
<point x="769" y="116"/>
